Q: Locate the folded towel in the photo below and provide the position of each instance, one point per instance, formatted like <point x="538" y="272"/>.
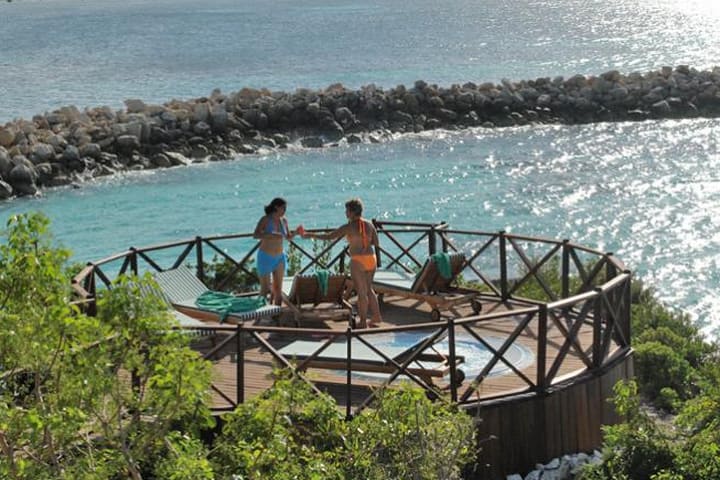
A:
<point x="322" y="279"/>
<point x="442" y="260"/>
<point x="226" y="303"/>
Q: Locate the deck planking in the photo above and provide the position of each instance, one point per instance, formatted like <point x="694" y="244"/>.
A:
<point x="259" y="363"/>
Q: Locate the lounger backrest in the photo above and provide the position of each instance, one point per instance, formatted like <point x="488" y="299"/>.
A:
<point x="180" y="284"/>
<point x="306" y="289"/>
<point x="429" y="279"/>
<point x="153" y="290"/>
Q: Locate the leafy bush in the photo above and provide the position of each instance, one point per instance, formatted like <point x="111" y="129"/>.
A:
<point x="223" y="274"/>
<point x="408" y="436"/>
<point x="86" y="397"/>
<point x="635" y="450"/>
<point x="288" y="432"/>
<point x="658" y="366"/>
<point x="186" y="459"/>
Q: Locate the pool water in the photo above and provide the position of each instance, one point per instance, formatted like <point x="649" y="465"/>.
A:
<point x="476" y="354"/>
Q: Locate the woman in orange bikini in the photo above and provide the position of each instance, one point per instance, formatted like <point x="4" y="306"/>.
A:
<point x="364" y="247"/>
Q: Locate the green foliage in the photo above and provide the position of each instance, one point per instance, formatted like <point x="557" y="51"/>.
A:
<point x="649" y="314"/>
<point x="294" y="260"/>
<point x="68" y="407"/>
<point x="223" y="274"/>
<point x="289" y="432"/>
<point x="668" y="399"/>
<point x="637" y="449"/>
<point x="550" y="275"/>
<point x="406" y="435"/>
<point x="187" y="459"/>
<point x="319" y="252"/>
<point x="680" y="372"/>
<point x="658" y="366"/>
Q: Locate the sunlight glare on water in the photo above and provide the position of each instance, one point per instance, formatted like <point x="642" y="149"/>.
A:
<point x="648" y="191"/>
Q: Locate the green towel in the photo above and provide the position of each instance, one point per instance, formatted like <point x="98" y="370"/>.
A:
<point x="442" y="260"/>
<point x="226" y="303"/>
<point x="322" y="279"/>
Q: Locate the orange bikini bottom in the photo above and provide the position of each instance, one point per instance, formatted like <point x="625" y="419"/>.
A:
<point x="366" y="260"/>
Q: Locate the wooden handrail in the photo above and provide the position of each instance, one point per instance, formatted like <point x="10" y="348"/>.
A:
<point x="609" y="298"/>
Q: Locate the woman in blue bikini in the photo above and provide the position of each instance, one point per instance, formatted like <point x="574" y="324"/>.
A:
<point x="271" y="230"/>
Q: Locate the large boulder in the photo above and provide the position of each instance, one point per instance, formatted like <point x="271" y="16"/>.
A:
<point x="91" y="150"/>
<point x="5" y="163"/>
<point x="6" y="191"/>
<point x="71" y="154"/>
<point x="42" y="153"/>
<point x="58" y="142"/>
<point x="219" y="118"/>
<point x="7" y="137"/>
<point x="134" y="105"/>
<point x="201" y="112"/>
<point x="22" y="178"/>
<point x="127" y="143"/>
<point x="202" y="129"/>
<point x="178" y="158"/>
<point x="44" y="173"/>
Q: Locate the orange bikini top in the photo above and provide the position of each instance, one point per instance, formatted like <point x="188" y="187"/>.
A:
<point x="363" y="234"/>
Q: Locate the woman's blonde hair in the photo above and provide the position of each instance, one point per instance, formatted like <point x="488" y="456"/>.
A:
<point x="355" y="206"/>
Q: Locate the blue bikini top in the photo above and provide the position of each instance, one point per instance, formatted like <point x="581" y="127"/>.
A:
<point x="270" y="227"/>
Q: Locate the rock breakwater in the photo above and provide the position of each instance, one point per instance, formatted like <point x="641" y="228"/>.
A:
<point x="69" y="145"/>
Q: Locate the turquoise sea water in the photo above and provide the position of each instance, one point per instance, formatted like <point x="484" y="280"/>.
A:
<point x="650" y="191"/>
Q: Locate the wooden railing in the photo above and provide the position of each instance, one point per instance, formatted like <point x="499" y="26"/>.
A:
<point x="580" y="289"/>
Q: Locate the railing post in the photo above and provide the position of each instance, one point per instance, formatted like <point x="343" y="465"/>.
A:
<point x="442" y="237"/>
<point x="610" y="271"/>
<point x="453" y="363"/>
<point x="348" y="371"/>
<point x="503" y="266"/>
<point x="432" y="247"/>
<point x="199" y="254"/>
<point x="92" y="292"/>
<point x="627" y="310"/>
<point x="597" y="329"/>
<point x="542" y="349"/>
<point x="240" y="367"/>
<point x="565" y="277"/>
<point x="133" y="261"/>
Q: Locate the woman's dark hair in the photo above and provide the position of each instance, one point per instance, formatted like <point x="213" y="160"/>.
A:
<point x="274" y="205"/>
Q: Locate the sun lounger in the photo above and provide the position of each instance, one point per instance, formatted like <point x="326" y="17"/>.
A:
<point x="427" y="364"/>
<point x="302" y="294"/>
<point x="182" y="288"/>
<point x="191" y="325"/>
<point x="429" y="285"/>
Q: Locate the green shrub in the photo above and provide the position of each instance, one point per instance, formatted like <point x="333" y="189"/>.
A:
<point x="406" y="435"/>
<point x="186" y="459"/>
<point x="635" y="450"/>
<point x="658" y="366"/>
<point x="69" y="409"/>
<point x="289" y="432"/>
<point x="692" y="348"/>
<point x="223" y="274"/>
<point x="668" y="399"/>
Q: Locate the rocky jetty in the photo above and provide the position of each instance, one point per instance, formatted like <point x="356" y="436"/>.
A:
<point x="69" y="145"/>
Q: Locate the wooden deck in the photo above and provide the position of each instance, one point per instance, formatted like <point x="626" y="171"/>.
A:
<point x="259" y="361"/>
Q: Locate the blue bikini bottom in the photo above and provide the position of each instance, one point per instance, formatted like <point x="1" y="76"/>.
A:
<point x="266" y="263"/>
